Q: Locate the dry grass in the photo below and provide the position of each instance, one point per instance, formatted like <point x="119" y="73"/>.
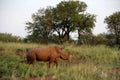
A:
<point x="90" y="63"/>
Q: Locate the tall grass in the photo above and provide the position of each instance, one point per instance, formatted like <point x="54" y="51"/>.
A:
<point x="90" y="63"/>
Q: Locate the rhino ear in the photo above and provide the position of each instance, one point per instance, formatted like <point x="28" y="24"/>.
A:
<point x="58" y="49"/>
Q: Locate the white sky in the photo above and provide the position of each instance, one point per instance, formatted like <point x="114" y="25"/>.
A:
<point x="14" y="13"/>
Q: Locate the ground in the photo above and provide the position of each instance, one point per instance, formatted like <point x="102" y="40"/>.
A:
<point x="90" y="63"/>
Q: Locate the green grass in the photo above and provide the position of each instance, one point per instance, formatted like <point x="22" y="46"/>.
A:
<point x="91" y="63"/>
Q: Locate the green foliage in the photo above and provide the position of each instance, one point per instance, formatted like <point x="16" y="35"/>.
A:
<point x="113" y="25"/>
<point x="100" y="39"/>
<point x="40" y="28"/>
<point x="84" y="24"/>
<point x="90" y="39"/>
<point x="70" y="16"/>
<point x="5" y="37"/>
<point x="66" y="17"/>
<point x="89" y="63"/>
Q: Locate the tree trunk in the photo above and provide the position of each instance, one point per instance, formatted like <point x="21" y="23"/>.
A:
<point x="79" y="38"/>
<point x="68" y="37"/>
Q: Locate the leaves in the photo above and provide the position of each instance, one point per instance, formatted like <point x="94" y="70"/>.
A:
<point x="66" y="17"/>
<point x="113" y="25"/>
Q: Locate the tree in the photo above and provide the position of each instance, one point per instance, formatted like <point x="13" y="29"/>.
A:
<point x="64" y="14"/>
<point x="113" y="25"/>
<point x="40" y="28"/>
<point x="84" y="24"/>
<point x="66" y="17"/>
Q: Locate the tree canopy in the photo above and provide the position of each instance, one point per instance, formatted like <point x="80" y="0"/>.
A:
<point x="66" y="17"/>
<point x="113" y="25"/>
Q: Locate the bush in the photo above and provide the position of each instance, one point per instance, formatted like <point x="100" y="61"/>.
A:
<point x="6" y="37"/>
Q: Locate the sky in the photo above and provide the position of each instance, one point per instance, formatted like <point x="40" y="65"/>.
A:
<point x="15" y="13"/>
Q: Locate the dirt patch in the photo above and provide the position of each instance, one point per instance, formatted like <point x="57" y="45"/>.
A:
<point x="4" y="50"/>
<point x="20" y="53"/>
<point x="113" y="70"/>
<point x="39" y="78"/>
<point x="29" y="79"/>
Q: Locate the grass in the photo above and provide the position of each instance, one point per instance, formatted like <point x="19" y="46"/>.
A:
<point x="91" y="63"/>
